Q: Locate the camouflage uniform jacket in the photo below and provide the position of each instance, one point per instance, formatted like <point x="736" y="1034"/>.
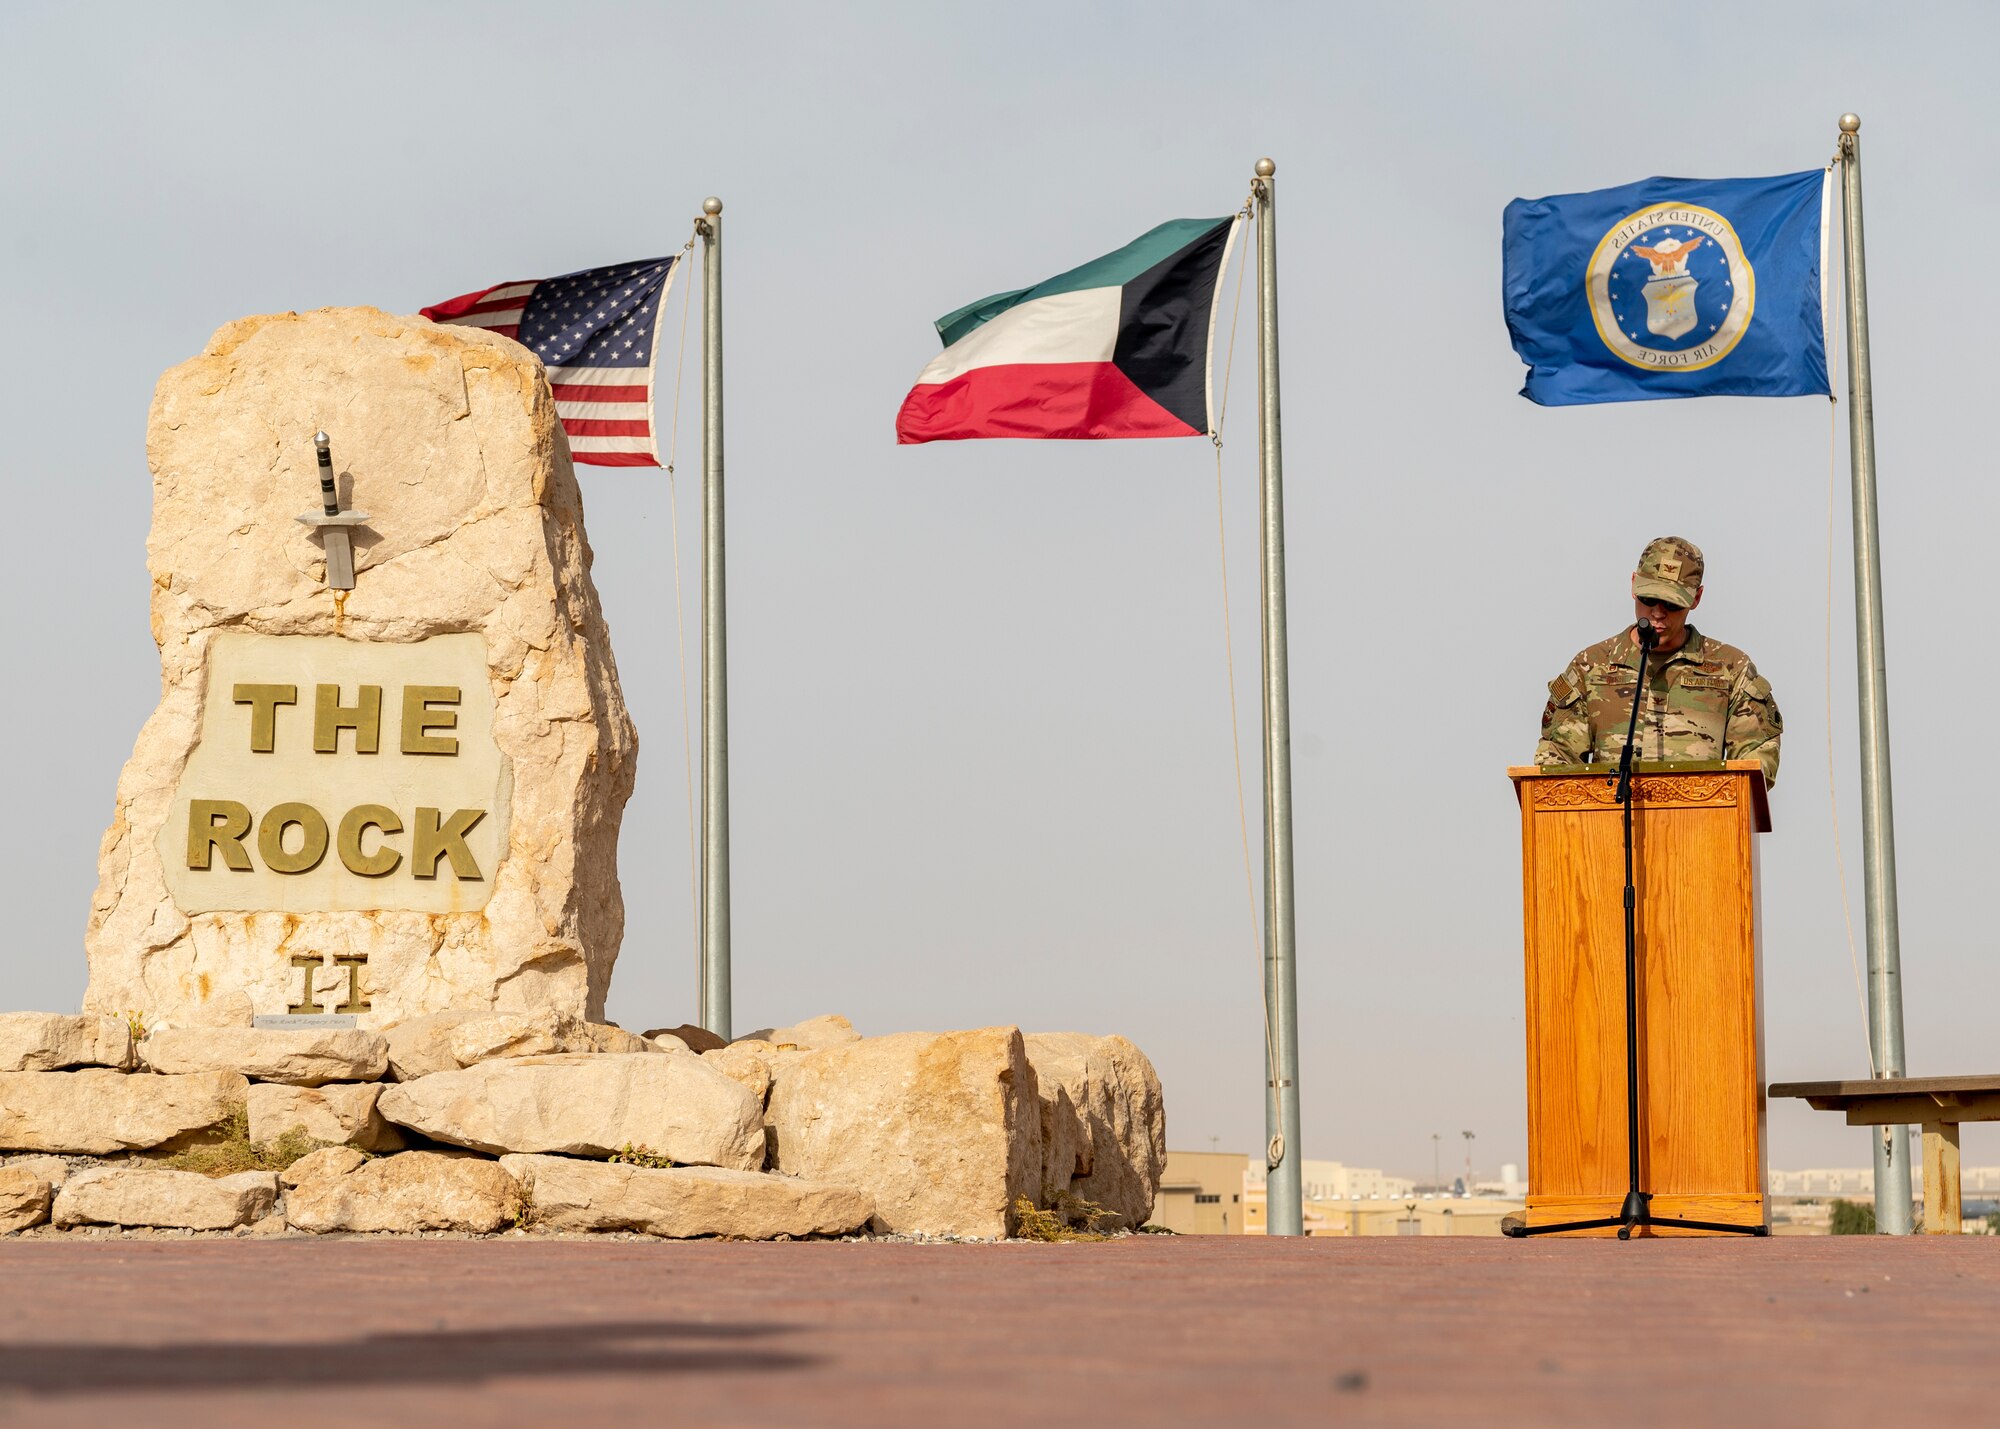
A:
<point x="1705" y="701"/>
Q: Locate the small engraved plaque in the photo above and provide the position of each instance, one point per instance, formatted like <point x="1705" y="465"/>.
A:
<point x="294" y="1020"/>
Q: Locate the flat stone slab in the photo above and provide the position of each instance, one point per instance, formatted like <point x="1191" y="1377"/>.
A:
<point x="447" y="1041"/>
<point x="51" y="1041"/>
<point x="750" y="1063"/>
<point x="307" y="1057"/>
<point x="96" y="1111"/>
<point x="327" y="1161"/>
<point x="24" y="1199"/>
<point x="131" y="1196"/>
<point x="421" y="1046"/>
<point x="683" y="1201"/>
<point x="413" y="1191"/>
<point x="812" y="1035"/>
<point x="695" y="1039"/>
<point x="588" y="1104"/>
<point x="548" y="1032"/>
<point x="339" y="1113"/>
<point x="52" y="1169"/>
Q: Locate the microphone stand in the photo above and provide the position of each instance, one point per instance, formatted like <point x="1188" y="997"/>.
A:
<point x="1637" y="1210"/>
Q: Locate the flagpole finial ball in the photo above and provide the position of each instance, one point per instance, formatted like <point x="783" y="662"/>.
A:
<point x="1265" y="168"/>
<point x="711" y="206"/>
<point x="320" y="440"/>
<point x="1850" y="123"/>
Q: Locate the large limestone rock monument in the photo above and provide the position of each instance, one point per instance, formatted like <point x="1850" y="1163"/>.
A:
<point x="385" y="801"/>
<point x="358" y="905"/>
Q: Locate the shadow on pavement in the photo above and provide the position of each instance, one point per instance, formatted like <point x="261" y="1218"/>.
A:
<point x="630" y="1347"/>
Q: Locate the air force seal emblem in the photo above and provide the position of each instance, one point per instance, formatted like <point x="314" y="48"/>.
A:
<point x="1670" y="289"/>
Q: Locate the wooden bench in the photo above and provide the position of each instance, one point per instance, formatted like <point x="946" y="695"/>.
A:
<point x="1938" y="1104"/>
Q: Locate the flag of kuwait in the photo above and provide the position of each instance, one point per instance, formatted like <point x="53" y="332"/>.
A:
<point x="1116" y="348"/>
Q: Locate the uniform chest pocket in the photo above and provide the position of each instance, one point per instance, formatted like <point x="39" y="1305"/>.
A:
<point x="1696" y="715"/>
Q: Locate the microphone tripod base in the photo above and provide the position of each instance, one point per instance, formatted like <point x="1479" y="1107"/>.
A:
<point x="1636" y="1212"/>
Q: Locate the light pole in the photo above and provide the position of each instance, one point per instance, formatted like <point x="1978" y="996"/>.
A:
<point x="1468" y="1161"/>
<point x="1435" y="1173"/>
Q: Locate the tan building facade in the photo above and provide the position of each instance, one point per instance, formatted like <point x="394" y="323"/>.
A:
<point x="1409" y="1215"/>
<point x="1201" y="1193"/>
<point x="1335" y="1181"/>
<point x="1223" y="1193"/>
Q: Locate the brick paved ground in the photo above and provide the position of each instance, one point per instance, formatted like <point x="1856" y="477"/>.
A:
<point x="1147" y="1330"/>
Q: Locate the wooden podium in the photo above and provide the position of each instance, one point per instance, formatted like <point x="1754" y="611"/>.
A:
<point x="1701" y="1041"/>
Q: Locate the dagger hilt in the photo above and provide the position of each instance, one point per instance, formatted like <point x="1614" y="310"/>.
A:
<point x="329" y="497"/>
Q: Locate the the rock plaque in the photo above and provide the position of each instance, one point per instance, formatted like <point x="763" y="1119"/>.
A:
<point x="376" y="803"/>
<point x="340" y="774"/>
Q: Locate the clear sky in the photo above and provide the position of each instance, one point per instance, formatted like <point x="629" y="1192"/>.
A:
<point x="980" y="729"/>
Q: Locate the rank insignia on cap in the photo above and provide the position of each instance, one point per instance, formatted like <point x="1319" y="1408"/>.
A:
<point x="1670" y="570"/>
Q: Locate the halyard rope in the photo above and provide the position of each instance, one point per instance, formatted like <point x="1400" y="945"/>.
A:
<point x="680" y="618"/>
<point x="1229" y="660"/>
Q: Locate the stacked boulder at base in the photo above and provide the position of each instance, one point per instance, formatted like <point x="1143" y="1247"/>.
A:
<point x="483" y="1122"/>
<point x="948" y="1130"/>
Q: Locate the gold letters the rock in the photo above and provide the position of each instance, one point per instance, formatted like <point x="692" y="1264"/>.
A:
<point x="435" y="841"/>
<point x="330" y="718"/>
<point x="264" y="701"/>
<point x="419" y="719"/>
<point x="206" y="834"/>
<point x="225" y="826"/>
<point x="271" y="838"/>
<point x="385" y="858"/>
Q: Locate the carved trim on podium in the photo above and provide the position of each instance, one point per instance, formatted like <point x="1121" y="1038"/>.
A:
<point x="1710" y="790"/>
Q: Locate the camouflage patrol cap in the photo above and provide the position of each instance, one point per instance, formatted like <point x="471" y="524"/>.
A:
<point x="1669" y="569"/>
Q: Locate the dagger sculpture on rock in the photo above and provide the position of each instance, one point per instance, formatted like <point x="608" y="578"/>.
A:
<point x="334" y="525"/>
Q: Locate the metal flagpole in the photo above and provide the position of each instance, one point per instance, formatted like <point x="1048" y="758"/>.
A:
<point x="714" y="990"/>
<point x="1284" y="1211"/>
<point x="1878" y="822"/>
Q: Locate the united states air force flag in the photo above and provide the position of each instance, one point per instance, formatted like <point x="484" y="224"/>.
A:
<point x="1671" y="288"/>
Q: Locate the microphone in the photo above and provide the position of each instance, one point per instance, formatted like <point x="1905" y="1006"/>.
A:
<point x="1647" y="637"/>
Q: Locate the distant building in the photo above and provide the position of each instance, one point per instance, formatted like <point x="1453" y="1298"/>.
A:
<point x="1847" y="1182"/>
<point x="1201" y="1193"/>
<point x="1858" y="1183"/>
<point x="1411" y="1215"/>
<point x="1511" y="1184"/>
<point x="1352" y="1200"/>
<point x="1331" y="1181"/>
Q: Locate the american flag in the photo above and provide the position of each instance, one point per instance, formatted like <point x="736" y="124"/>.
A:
<point x="598" y="333"/>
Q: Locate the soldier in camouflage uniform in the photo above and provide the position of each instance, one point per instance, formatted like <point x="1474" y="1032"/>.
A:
<point x="1704" y="700"/>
